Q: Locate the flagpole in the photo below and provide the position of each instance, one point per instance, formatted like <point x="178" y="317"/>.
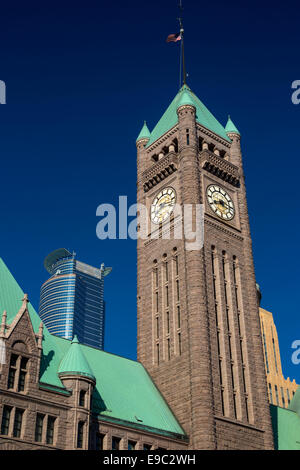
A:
<point x="182" y="44"/>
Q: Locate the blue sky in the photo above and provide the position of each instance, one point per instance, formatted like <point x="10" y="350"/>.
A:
<point x="82" y="76"/>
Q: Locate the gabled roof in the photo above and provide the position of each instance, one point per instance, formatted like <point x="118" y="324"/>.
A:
<point x="124" y="391"/>
<point x="170" y="118"/>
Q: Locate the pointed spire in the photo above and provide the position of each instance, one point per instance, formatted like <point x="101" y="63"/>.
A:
<point x="144" y="134"/>
<point x="230" y="127"/>
<point x="75" y="362"/>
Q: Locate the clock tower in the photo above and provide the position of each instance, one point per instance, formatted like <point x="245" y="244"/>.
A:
<point x="198" y="320"/>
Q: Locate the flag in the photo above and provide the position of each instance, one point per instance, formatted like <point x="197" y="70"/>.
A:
<point x="173" y="37"/>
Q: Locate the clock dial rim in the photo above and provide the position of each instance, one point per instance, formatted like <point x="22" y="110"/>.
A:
<point x="230" y="214"/>
<point x="155" y="204"/>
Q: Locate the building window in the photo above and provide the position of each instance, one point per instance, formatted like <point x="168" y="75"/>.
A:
<point x="168" y="322"/>
<point x="288" y="395"/>
<point x="50" y="429"/>
<point x="274" y="353"/>
<point x="23" y="373"/>
<point x="270" y="393"/>
<point x="99" y="441"/>
<point x="282" y="397"/>
<point x="177" y="289"/>
<point x="187" y="137"/>
<point x="39" y="427"/>
<point x="82" y="396"/>
<point x="166" y="271"/>
<point x="147" y="447"/>
<point x="80" y="434"/>
<point x="12" y="371"/>
<point x="18" y="422"/>
<point x="5" y="420"/>
<point x="132" y="445"/>
<point x="178" y="316"/>
<point x="115" y="443"/>
<point x="179" y="343"/>
<point x="167" y="296"/>
<point x="169" y="349"/>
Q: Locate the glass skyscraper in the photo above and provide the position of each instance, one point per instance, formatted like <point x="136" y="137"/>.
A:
<point x="71" y="301"/>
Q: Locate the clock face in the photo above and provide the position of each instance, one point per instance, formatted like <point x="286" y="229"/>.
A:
<point x="220" y="202"/>
<point x="163" y="205"/>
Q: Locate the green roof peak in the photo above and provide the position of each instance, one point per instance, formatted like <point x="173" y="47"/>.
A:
<point x="230" y="127"/>
<point x="185" y="98"/>
<point x="75" y="362"/>
<point x="170" y="118"/>
<point x="145" y="133"/>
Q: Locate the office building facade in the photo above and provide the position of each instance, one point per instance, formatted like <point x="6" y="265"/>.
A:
<point x="71" y="300"/>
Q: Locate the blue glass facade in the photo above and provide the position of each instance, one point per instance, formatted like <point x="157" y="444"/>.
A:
<point x="71" y="301"/>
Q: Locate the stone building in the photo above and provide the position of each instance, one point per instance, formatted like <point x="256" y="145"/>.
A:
<point x="200" y="380"/>
<point x="61" y="394"/>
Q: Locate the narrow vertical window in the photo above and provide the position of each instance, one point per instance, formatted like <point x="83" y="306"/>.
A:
<point x="177" y="289"/>
<point x="82" y="395"/>
<point x="5" y="420"/>
<point x="80" y="434"/>
<point x="288" y="396"/>
<point x="18" y="422"/>
<point x="50" y="429"/>
<point x="157" y="327"/>
<point x="276" y="394"/>
<point x="168" y="322"/>
<point x="156" y="297"/>
<point x="166" y="271"/>
<point x="157" y="353"/>
<point x="176" y="266"/>
<point x="169" y="350"/>
<point x="39" y="427"/>
<point x="270" y="393"/>
<point x="282" y="397"/>
<point x="22" y="375"/>
<point x="187" y="137"/>
<point x="275" y="359"/>
<point x="179" y="343"/>
<point x="167" y="296"/>
<point x="178" y="316"/>
<point x="12" y="371"/>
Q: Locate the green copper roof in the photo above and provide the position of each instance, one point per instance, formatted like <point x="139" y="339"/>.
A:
<point x="74" y="362"/>
<point x="144" y="134"/>
<point x="286" y="428"/>
<point x="124" y="391"/>
<point x="170" y="118"/>
<point x="230" y="127"/>
<point x="185" y="99"/>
